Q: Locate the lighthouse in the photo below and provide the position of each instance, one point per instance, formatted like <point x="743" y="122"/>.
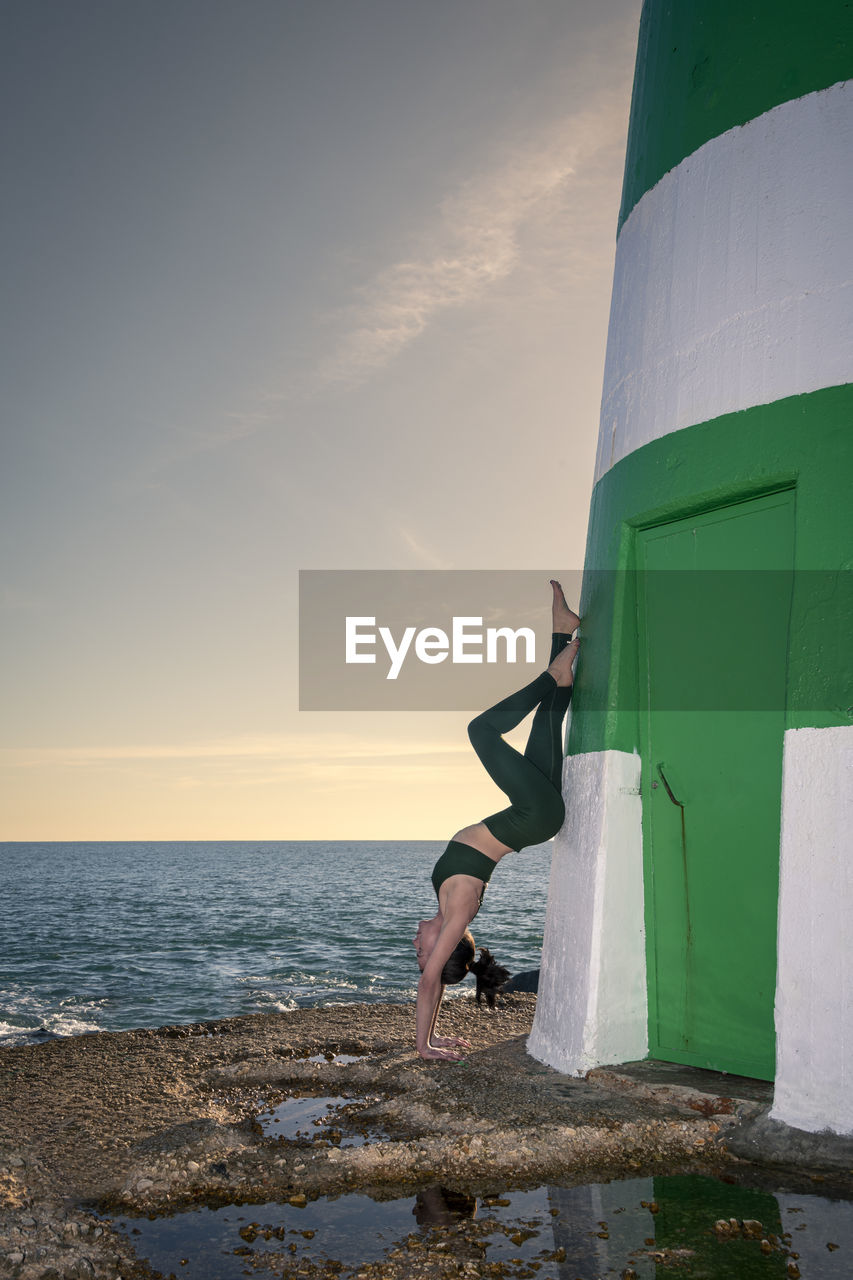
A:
<point x="701" y="899"/>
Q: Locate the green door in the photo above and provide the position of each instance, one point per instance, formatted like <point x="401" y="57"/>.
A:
<point x="714" y="595"/>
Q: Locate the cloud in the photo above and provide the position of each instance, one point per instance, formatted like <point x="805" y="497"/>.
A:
<point x="473" y="245"/>
<point x="540" y="201"/>
<point x="425" y="554"/>
<point x="539" y="209"/>
<point x="294" y="766"/>
<point x="324" y="752"/>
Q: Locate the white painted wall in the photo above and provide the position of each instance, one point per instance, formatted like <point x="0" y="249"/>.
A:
<point x="814" y="991"/>
<point x="592" y="1007"/>
<point x="733" y="283"/>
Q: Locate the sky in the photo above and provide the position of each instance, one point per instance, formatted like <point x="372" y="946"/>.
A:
<point x="288" y="285"/>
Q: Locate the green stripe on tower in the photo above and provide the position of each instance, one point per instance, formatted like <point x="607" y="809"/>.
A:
<point x="804" y="443"/>
<point x="709" y="65"/>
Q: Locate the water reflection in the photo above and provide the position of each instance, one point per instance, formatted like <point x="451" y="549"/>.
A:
<point x="644" y="1228"/>
<point x="219" y="1244"/>
<point x="337" y="1059"/>
<point x="332" y="1118"/>
<point x="439" y="1207"/>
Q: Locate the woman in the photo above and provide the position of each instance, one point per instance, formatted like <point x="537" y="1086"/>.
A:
<point x="444" y="945"/>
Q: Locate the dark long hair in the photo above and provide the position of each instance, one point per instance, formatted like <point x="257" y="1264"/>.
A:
<point x="490" y="975"/>
<point x="459" y="961"/>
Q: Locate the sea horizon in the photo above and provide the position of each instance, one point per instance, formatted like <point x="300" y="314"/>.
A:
<point x="117" y="935"/>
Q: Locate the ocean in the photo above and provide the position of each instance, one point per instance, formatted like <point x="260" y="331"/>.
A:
<point x="108" y="937"/>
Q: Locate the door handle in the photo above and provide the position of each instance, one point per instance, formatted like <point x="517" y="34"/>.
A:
<point x="677" y="803"/>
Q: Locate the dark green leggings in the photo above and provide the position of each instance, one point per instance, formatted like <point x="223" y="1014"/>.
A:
<point x="531" y="782"/>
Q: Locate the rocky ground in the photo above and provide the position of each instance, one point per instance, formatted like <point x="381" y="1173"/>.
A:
<point x="154" y="1120"/>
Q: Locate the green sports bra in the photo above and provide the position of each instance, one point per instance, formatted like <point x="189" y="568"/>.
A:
<point x="462" y="860"/>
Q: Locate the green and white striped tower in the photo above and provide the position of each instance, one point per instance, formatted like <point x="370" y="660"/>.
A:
<point x="701" y="898"/>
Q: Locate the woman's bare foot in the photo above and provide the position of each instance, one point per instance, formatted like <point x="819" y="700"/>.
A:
<point x="561" y="667"/>
<point x="443" y="1055"/>
<point x="562" y="618"/>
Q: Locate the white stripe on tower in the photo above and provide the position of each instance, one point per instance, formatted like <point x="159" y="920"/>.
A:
<point x="733" y="284"/>
<point x="814" y="1067"/>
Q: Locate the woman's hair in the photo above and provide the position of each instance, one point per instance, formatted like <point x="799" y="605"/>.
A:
<point x="459" y="960"/>
<point x="491" y="976"/>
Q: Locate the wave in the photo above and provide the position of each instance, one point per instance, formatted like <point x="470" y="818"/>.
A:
<point x="100" y="937"/>
<point x="27" y="1019"/>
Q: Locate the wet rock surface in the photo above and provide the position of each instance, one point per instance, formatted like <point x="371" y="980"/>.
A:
<point x="153" y="1121"/>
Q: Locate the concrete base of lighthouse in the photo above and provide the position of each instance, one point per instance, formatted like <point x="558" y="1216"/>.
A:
<point x="592" y="1007"/>
<point x="814" y="993"/>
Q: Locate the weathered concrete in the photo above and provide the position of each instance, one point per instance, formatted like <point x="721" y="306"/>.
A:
<point x="765" y="1140"/>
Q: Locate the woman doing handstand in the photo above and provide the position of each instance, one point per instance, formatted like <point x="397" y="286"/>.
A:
<point x="443" y="944"/>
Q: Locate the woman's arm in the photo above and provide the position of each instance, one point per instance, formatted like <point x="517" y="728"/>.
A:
<point x="430" y="991"/>
<point x="431" y="988"/>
